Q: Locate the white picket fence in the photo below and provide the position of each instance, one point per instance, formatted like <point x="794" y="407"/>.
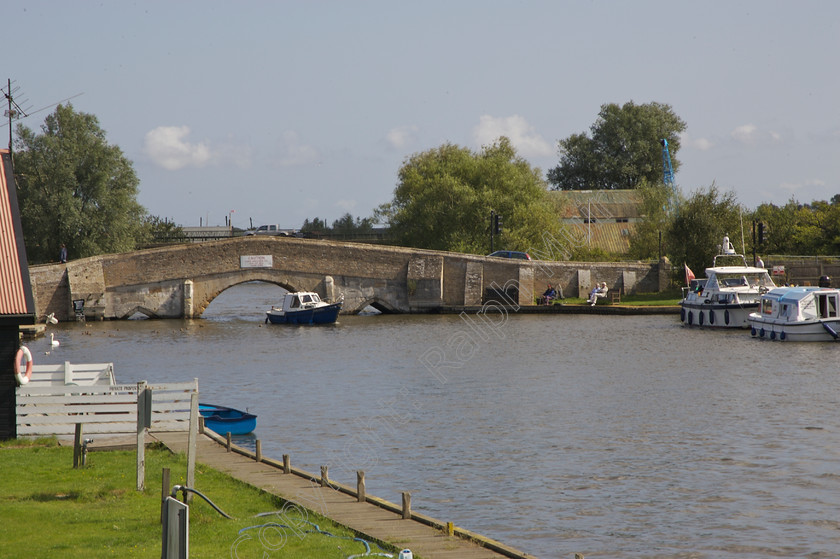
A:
<point x="52" y="406"/>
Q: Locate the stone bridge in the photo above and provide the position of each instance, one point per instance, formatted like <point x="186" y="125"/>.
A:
<point x="181" y="281"/>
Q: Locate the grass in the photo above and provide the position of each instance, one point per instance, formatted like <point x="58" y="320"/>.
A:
<point x="53" y="510"/>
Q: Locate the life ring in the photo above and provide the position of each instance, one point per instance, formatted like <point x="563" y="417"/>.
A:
<point x="23" y="378"/>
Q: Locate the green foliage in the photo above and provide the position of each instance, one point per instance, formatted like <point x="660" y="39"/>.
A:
<point x="800" y="229"/>
<point x="75" y="188"/>
<point x="445" y="195"/>
<point x="159" y="229"/>
<point x="623" y="150"/>
<point x="644" y="241"/>
<point x="698" y="230"/>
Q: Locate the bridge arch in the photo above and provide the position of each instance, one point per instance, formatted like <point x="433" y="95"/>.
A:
<point x="206" y="289"/>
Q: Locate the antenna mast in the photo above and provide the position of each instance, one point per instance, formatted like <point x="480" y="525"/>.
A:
<point x="14" y="111"/>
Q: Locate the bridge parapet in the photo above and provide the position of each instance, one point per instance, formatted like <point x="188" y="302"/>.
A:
<point x="181" y="281"/>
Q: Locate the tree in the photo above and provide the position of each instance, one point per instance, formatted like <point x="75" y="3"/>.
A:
<point x="645" y="240"/>
<point x="698" y="230"/>
<point x="624" y="149"/>
<point x="445" y="195"/>
<point x="76" y="189"/>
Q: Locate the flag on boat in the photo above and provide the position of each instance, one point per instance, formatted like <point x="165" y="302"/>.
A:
<point x="689" y="275"/>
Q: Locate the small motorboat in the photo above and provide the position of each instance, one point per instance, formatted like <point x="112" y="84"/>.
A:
<point x="728" y="294"/>
<point x="225" y="420"/>
<point x="798" y="314"/>
<point x="304" y="307"/>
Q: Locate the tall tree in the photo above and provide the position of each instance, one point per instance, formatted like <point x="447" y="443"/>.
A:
<point x="624" y="149"/>
<point x="75" y="189"/>
<point x="645" y="239"/>
<point x="445" y="195"/>
<point x="698" y="230"/>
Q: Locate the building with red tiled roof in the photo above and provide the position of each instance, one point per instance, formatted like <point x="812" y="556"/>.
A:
<point x="17" y="306"/>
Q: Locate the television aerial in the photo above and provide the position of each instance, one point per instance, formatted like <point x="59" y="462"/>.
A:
<point x="21" y="109"/>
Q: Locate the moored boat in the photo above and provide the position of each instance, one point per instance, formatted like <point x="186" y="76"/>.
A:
<point x="798" y="314"/>
<point x="223" y="420"/>
<point x="304" y="307"/>
<point x="728" y="294"/>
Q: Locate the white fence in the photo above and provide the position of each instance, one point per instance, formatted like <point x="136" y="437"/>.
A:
<point x="82" y="374"/>
<point x="54" y="409"/>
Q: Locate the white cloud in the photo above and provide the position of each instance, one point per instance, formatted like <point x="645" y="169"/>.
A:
<point x="167" y="147"/>
<point x="796" y="186"/>
<point x="401" y="136"/>
<point x="522" y="135"/>
<point x="295" y="153"/>
<point x="750" y="134"/>
<point x="702" y="144"/>
<point x="346" y="205"/>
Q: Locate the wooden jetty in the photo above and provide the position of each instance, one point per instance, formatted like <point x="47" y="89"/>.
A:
<point x="367" y="515"/>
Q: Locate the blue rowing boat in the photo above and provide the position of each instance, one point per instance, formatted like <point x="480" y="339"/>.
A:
<point x="223" y="420"/>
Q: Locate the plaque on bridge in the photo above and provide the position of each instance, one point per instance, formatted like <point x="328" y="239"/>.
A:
<point x="256" y="261"/>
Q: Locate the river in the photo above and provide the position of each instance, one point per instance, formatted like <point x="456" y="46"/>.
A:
<point x="555" y="434"/>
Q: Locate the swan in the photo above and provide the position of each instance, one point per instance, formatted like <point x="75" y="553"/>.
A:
<point x="53" y="341"/>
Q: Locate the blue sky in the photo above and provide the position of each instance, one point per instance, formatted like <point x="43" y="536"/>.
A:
<point x="273" y="112"/>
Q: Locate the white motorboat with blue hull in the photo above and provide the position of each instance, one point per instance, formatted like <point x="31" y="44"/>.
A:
<point x="798" y="314"/>
<point x="728" y="294"/>
<point x="304" y="307"/>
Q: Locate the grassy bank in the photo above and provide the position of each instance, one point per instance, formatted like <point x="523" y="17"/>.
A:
<point x="51" y="510"/>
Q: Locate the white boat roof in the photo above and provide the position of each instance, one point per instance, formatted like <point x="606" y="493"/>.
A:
<point x="735" y="270"/>
<point x="793" y="294"/>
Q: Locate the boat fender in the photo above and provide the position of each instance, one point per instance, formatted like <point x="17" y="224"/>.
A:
<point x="690" y="317"/>
<point x="682" y="315"/>
<point x="726" y="317"/>
<point x="25" y="376"/>
<point x="773" y="335"/>
<point x="782" y="336"/>
<point x="761" y="333"/>
<point x="711" y="317"/>
<point x="700" y="318"/>
<point x="753" y="331"/>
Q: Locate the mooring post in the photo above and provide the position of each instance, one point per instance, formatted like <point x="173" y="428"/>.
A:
<point x="77" y="446"/>
<point x="360" y="486"/>
<point x="228" y="441"/>
<point x="450" y="529"/>
<point x="287" y="464"/>
<point x="258" y="451"/>
<point x="325" y="476"/>
<point x="164" y="490"/>
<point x="406" y="502"/>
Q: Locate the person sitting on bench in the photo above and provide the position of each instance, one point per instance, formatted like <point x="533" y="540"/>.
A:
<point x="600" y="290"/>
<point x="549" y="295"/>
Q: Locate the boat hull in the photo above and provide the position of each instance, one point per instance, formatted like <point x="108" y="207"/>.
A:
<point x="802" y="331"/>
<point x="223" y="420"/>
<point x="717" y="316"/>
<point x="326" y="314"/>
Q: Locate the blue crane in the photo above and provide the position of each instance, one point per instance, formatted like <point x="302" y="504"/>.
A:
<point x="668" y="173"/>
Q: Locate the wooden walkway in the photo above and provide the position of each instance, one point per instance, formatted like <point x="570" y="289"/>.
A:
<point x="374" y="518"/>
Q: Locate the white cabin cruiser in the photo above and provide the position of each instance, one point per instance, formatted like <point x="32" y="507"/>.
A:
<point x="728" y="294"/>
<point x="798" y="314"/>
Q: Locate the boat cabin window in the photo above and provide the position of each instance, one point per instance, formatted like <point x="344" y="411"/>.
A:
<point x="307" y="299"/>
<point x="827" y="305"/>
<point x="766" y="306"/>
<point x="295" y="302"/>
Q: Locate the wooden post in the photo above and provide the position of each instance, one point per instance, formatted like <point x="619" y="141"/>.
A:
<point x="228" y="441"/>
<point x="406" y="502"/>
<point x="258" y="452"/>
<point x="360" y="486"/>
<point x="287" y="464"/>
<point x="77" y="446"/>
<point x="141" y="435"/>
<point x="200" y="424"/>
<point x="164" y="490"/>
<point x="325" y="476"/>
<point x="191" y="443"/>
<point x="450" y="529"/>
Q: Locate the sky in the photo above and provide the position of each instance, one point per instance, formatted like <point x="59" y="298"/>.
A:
<point x="275" y="112"/>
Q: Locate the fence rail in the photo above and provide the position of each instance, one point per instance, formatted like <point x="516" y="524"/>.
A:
<point x="56" y="409"/>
